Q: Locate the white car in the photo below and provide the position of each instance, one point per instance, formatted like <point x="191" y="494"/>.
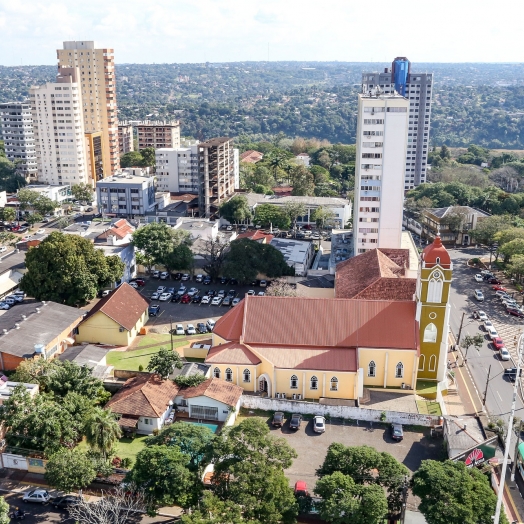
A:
<point x="155" y="295"/>
<point x="482" y="316"/>
<point x="3" y="249"/>
<point x="10" y="300"/>
<point x="221" y="293"/>
<point x="263" y="283"/>
<point x="206" y="299"/>
<point x="179" y="329"/>
<point x="319" y="424"/>
<point x="504" y="353"/>
<point x="40" y="232"/>
<point x="185" y="276"/>
<point x="161" y="289"/>
<point x="260" y="294"/>
<point x="216" y="301"/>
<point x="199" y="278"/>
<point x="192" y="292"/>
<point x="40" y="496"/>
<point x="479" y="295"/>
<point x="17" y="297"/>
<point x="4" y="305"/>
<point x="182" y="290"/>
<point x="190" y="330"/>
<point x="210" y="324"/>
<point x="164" y="297"/>
<point x="250" y="292"/>
<point x="164" y="275"/>
<point x="478" y="278"/>
<point x="488" y="324"/>
<point x="107" y="292"/>
<point x="133" y="284"/>
<point x="492" y="332"/>
<point x="235" y="302"/>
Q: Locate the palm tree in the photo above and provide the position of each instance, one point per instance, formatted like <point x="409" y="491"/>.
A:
<point x="102" y="430"/>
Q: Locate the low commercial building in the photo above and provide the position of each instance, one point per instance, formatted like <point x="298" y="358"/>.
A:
<point x="116" y="319"/>
<point x="38" y="329"/>
<point x="7" y="388"/>
<point x="126" y="195"/>
<point x="297" y="253"/>
<point x="94" y="357"/>
<point x="198" y="227"/>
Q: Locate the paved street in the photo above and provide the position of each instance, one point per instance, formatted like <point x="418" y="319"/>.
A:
<point x="500" y="391"/>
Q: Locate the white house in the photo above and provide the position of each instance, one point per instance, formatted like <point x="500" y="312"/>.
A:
<point x="303" y="158"/>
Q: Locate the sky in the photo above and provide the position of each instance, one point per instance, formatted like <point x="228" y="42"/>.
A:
<point x="170" y="31"/>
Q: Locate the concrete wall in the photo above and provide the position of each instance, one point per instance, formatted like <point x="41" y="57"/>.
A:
<point x="347" y="412"/>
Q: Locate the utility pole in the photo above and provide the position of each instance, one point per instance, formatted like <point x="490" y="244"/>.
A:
<point x="460" y="329"/>
<point x="171" y="330"/>
<point x="496" y="518"/>
<point x="404" y="500"/>
<point x="486" y="390"/>
<point x="514" y="467"/>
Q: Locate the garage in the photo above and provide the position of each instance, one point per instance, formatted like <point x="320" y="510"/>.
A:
<point x="203" y="412"/>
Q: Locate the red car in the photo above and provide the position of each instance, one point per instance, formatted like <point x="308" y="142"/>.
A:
<point x="186" y="299"/>
<point x="497" y="343"/>
<point x="498" y="287"/>
<point x="515" y="312"/>
<point x="494" y="281"/>
<point x="139" y="281"/>
<point x="301" y="488"/>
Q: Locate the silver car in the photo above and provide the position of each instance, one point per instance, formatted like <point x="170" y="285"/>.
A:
<point x="319" y="424"/>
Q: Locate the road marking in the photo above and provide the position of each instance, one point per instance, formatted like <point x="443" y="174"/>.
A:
<point x="465" y="384"/>
<point x="499" y="396"/>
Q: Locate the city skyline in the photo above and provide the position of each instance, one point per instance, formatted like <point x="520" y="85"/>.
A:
<point x="220" y="31"/>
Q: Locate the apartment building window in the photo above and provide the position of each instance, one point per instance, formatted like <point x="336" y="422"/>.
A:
<point x="371" y="155"/>
<point x="369" y="109"/>
<point x="373" y="133"/>
<point x="397" y="110"/>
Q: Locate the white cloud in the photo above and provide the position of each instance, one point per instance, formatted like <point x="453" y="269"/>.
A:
<point x="233" y="30"/>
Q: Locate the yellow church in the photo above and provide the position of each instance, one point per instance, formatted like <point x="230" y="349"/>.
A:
<point x="386" y="327"/>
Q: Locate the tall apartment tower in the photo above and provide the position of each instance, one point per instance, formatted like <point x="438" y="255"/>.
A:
<point x="418" y="89"/>
<point x="98" y="85"/>
<point x="158" y="134"/>
<point x="16" y="130"/>
<point x="59" y="130"/>
<point x="125" y="138"/>
<point x="177" y="169"/>
<point x="382" y="124"/>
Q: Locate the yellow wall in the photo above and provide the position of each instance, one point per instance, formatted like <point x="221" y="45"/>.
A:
<point x="193" y="352"/>
<point x="389" y="358"/>
<point x="101" y="329"/>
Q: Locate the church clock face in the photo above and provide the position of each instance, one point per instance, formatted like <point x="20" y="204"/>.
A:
<point x="436" y="274"/>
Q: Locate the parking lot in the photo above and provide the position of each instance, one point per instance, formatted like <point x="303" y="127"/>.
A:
<point x="177" y="312"/>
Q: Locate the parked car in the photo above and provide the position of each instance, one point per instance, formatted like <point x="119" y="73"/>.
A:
<point x="199" y="278"/>
<point x="179" y="329"/>
<point x="278" y="419"/>
<point x="260" y="294"/>
<point x="186" y="299"/>
<point x="499" y="288"/>
<point x="139" y="281"/>
<point x="250" y="292"/>
<point x="192" y="292"/>
<point x="3" y="249"/>
<point x="10" y="300"/>
<point x="156" y="274"/>
<point x="40" y="232"/>
<point x="233" y="282"/>
<point x="492" y="332"/>
<point x="165" y="297"/>
<point x="176" y="298"/>
<point x="397" y="433"/>
<point x="65" y="502"/>
<point x="235" y="302"/>
<point x="224" y="280"/>
<point x="40" y="496"/>
<point x="478" y="278"/>
<point x="504" y="354"/>
<point x="206" y="299"/>
<point x="164" y="275"/>
<point x="516" y="312"/>
<point x="18" y="297"/>
<point x="478" y="295"/>
<point x="161" y="289"/>
<point x="501" y="293"/>
<point x="196" y="299"/>
<point x="210" y="324"/>
<point x="185" y="276"/>
<point x="319" y="424"/>
<point x="221" y="293"/>
<point x="296" y="421"/>
<point x="263" y="283"/>
<point x="4" y="305"/>
<point x="190" y="330"/>
<point x="153" y="310"/>
<point x="171" y="290"/>
<point x="177" y="276"/>
<point x="105" y="292"/>
<point x="133" y="284"/>
<point x="207" y="280"/>
<point x="155" y="295"/>
<point x="301" y="489"/>
<point x="511" y="373"/>
<point x="494" y="281"/>
<point x="480" y="315"/>
<point x="211" y="293"/>
<point x="216" y="301"/>
<point x="232" y="293"/>
<point x="182" y="290"/>
<point x="201" y="328"/>
<point x="497" y="343"/>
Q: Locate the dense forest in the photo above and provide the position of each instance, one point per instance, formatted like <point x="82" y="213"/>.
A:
<point x="473" y="103"/>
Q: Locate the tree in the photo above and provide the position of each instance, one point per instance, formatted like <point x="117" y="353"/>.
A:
<point x="270" y="214"/>
<point x="212" y="510"/>
<point x="69" y="470"/>
<point x="10" y="180"/>
<point x="189" y="381"/>
<point x="236" y="210"/>
<point x="455" y="221"/>
<point x="516" y="267"/>
<point x="511" y="248"/>
<point x="148" y="157"/>
<point x="194" y="441"/>
<point x="131" y="159"/>
<point x="302" y="181"/>
<point x="162" y="473"/>
<point x="451" y="492"/>
<point x="7" y="214"/>
<point x="488" y="227"/>
<point x="469" y="340"/>
<point x="102" y="431"/>
<point x="281" y="288"/>
<point x="247" y="258"/>
<point x="7" y="238"/>
<point x="82" y="192"/>
<point x="164" y="362"/>
<point x="155" y="241"/>
<point x="35" y="201"/>
<point x="323" y="216"/>
<point x="180" y="256"/>
<point x="214" y="254"/>
<point x="68" y="269"/>
<point x="294" y="210"/>
<point x="33" y="218"/>
<point x="344" y="501"/>
<point x="361" y="463"/>
<point x="119" y="506"/>
<point x="4" y="512"/>
<point x="445" y="152"/>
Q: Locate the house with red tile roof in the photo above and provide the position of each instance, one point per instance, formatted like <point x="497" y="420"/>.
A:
<point x="251" y="156"/>
<point x="257" y="236"/>
<point x="382" y="330"/>
<point x="116" y="319"/>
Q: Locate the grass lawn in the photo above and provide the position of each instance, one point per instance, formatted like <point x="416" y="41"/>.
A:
<point x="428" y="407"/>
<point x="427" y="389"/>
<point x="128" y="447"/>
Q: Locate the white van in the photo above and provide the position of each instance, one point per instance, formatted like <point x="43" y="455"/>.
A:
<point x="210" y="324"/>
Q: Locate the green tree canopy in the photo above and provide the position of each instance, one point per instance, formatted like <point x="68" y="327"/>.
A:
<point x="451" y="492"/>
<point x="131" y="159"/>
<point x="270" y="214"/>
<point x="294" y="210"/>
<point x="10" y="180"/>
<point x="4" y="512"/>
<point x="487" y="228"/>
<point x="236" y="210"/>
<point x="324" y="217"/>
<point x="302" y="181"/>
<point x="212" y="510"/>
<point x="82" y="192"/>
<point x="214" y="253"/>
<point x="69" y="470"/>
<point x="148" y="157"/>
<point x="164" y="362"/>
<point x="68" y="269"/>
<point x="180" y="255"/>
<point x="155" y="241"/>
<point x="7" y="214"/>
<point x="102" y="430"/>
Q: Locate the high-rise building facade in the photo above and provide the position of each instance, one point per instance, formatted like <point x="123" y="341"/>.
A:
<point x="98" y="89"/>
<point x="418" y="89"/>
<point x="158" y="134"/>
<point x="125" y="138"/>
<point x="382" y="124"/>
<point x="177" y="169"/>
<point x="59" y="130"/>
<point x="16" y="130"/>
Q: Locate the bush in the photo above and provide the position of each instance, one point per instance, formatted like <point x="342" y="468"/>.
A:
<point x="475" y="261"/>
<point x="126" y="463"/>
<point x="189" y="382"/>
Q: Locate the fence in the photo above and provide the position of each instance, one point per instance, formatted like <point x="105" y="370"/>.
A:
<point x="345" y="412"/>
